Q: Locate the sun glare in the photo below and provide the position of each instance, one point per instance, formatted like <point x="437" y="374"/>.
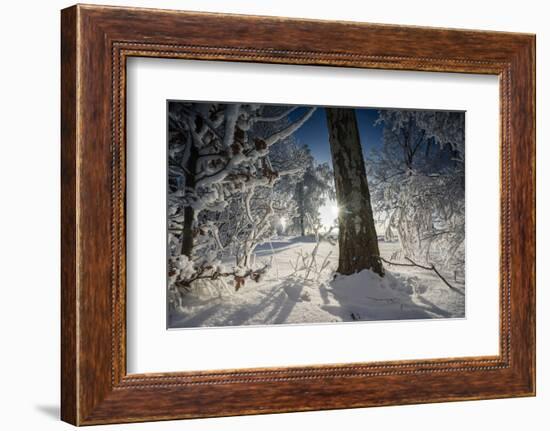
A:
<point x="328" y="213"/>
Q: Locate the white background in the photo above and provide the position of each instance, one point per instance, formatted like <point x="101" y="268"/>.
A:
<point x="151" y="348"/>
<point x="29" y="227"/>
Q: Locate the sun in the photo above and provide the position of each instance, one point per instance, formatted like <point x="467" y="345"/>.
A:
<point x="328" y="213"/>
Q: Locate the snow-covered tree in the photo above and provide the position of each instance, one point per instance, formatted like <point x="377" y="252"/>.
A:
<point x="225" y="164"/>
<point x="417" y="181"/>
<point x="311" y="193"/>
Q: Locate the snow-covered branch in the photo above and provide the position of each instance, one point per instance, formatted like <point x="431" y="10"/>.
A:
<point x="231" y="117"/>
<point x="287" y="131"/>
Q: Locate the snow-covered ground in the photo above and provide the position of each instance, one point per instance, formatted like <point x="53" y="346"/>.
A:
<point x="284" y="297"/>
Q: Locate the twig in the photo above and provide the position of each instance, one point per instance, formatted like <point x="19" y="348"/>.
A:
<point x="201" y="275"/>
<point x="324" y="265"/>
<point x="427" y="268"/>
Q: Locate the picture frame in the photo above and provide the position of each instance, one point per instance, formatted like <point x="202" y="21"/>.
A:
<point x="96" y="42"/>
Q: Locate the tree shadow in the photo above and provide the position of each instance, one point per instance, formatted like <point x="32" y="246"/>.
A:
<point x="282" y="301"/>
<point x="430" y="306"/>
<point x="237" y="318"/>
<point x="293" y="291"/>
<point x="277" y="306"/>
<point x="399" y="307"/>
<point x="267" y="249"/>
<point x="434" y="308"/>
<point x="182" y="321"/>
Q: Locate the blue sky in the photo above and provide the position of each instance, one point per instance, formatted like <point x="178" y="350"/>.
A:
<point x="314" y="132"/>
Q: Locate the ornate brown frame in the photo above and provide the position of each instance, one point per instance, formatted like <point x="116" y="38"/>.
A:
<point x="95" y="43"/>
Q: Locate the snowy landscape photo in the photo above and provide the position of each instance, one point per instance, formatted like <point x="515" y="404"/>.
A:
<point x="289" y="214"/>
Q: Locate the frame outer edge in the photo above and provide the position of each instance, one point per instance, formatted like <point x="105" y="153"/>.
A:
<point x="70" y="411"/>
<point x="523" y="216"/>
<point x="530" y="63"/>
<point x="533" y="54"/>
<point x="532" y="127"/>
<point x="88" y="397"/>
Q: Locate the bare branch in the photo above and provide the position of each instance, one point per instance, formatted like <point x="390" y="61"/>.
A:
<point x="427" y="268"/>
<point x="203" y="274"/>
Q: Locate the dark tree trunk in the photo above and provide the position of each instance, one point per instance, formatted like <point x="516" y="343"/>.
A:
<point x="357" y="239"/>
<point x="187" y="238"/>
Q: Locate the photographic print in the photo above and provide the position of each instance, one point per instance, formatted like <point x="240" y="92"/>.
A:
<point x="280" y="214"/>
